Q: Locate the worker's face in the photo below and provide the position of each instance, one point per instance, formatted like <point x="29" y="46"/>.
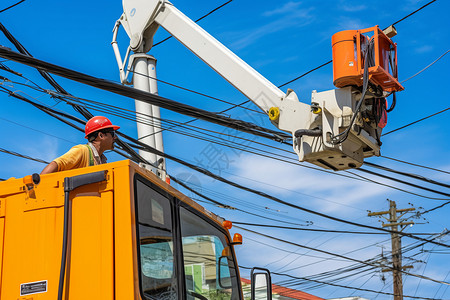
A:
<point x="108" y="139"/>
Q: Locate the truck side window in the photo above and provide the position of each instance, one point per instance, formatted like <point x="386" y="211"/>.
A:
<point x="208" y="274"/>
<point x="158" y="279"/>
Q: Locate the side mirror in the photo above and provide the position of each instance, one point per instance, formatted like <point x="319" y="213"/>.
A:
<point x="224" y="279"/>
<point x="261" y="284"/>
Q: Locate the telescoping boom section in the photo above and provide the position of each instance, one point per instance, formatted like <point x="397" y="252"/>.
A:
<point x="114" y="231"/>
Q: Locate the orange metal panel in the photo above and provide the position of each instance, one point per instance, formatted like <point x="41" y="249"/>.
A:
<point x="31" y="248"/>
<point x="2" y="227"/>
<point x="90" y="259"/>
<point x="125" y="259"/>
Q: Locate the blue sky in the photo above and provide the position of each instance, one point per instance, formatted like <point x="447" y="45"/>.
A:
<point x="281" y="40"/>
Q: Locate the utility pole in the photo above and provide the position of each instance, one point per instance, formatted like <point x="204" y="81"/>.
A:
<point x="394" y="222"/>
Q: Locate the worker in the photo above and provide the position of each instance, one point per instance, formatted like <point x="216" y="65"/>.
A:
<point x="101" y="135"/>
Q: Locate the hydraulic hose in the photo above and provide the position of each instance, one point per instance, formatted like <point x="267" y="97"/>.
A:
<point x="309" y="132"/>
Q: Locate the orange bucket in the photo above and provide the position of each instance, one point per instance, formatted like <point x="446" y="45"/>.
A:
<point x="348" y="63"/>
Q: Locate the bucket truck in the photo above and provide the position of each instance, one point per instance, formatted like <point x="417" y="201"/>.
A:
<point x="117" y="231"/>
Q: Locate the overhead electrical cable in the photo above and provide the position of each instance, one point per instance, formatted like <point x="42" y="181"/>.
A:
<point x="141" y="145"/>
<point x="420" y="120"/>
<point x="11" y="6"/>
<point x="395" y="188"/>
<point x="85" y="113"/>
<point x="199" y="93"/>
<point x="201" y="18"/>
<point x="434" y="208"/>
<point x="57" y="114"/>
<point x="245" y="149"/>
<point x="291" y="252"/>
<point x="377" y="259"/>
<point x="277" y="158"/>
<point x="339" y="255"/>
<point x="23" y="156"/>
<point x="342" y="286"/>
<point x="405" y="249"/>
<point x="416" y="165"/>
<point x="411" y="175"/>
<point x="426" y="66"/>
<point x="224" y="205"/>
<point x="404" y="182"/>
<point x="245" y="229"/>
<point x="145" y="96"/>
<point x="218" y="196"/>
<point x="417" y="10"/>
<point x="317" y="230"/>
<point x="149" y="120"/>
<point x="212" y="175"/>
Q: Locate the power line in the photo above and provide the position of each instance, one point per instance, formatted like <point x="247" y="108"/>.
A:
<point x="393" y="187"/>
<point x="23" y="156"/>
<point x="217" y="142"/>
<point x="416" y="165"/>
<point x="202" y="17"/>
<point x="341" y="286"/>
<point x="222" y="179"/>
<point x="145" y="97"/>
<point x="85" y="113"/>
<point x="47" y="109"/>
<point x="405" y="182"/>
<point x="277" y="157"/>
<point x="412" y="123"/>
<point x="224" y="205"/>
<point x="198" y="93"/>
<point x="11" y="6"/>
<point x="338" y="255"/>
<point x="417" y="10"/>
<point x="411" y="175"/>
<point x="317" y="230"/>
<point x="426" y="67"/>
<point x="212" y="175"/>
<point x="306" y="73"/>
<point x="139" y="144"/>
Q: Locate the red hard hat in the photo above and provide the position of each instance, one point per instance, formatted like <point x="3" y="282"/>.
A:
<point x="98" y="123"/>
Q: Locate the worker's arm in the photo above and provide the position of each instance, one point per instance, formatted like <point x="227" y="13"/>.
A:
<point x="50" y="168"/>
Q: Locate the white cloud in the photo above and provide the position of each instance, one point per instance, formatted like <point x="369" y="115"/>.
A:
<point x="282" y="179"/>
<point x="353" y="8"/>
<point x="288" y="7"/>
<point x="350" y="23"/>
<point x="289" y="15"/>
<point x="424" y="49"/>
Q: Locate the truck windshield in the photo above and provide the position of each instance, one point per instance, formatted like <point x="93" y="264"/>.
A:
<point x="210" y="272"/>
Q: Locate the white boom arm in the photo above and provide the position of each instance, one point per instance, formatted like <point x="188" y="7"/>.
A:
<point x="312" y="126"/>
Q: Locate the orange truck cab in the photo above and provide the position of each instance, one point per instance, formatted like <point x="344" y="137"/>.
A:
<point x="113" y="231"/>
